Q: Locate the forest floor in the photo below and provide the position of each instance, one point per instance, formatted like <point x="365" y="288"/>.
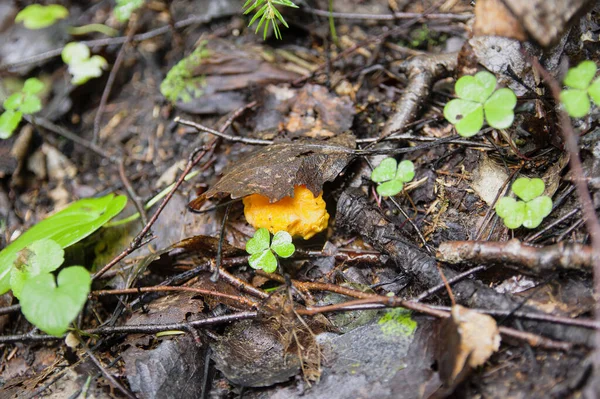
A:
<point x="422" y="294"/>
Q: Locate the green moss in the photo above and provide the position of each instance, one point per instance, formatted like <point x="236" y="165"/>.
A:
<point x="180" y="83"/>
<point x="397" y="322"/>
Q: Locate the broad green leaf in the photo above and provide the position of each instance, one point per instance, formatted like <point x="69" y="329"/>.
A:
<point x="466" y="116"/>
<point x="264" y="260"/>
<point x="406" y="171"/>
<point x="33" y="86"/>
<point x="536" y="210"/>
<point x="259" y="242"/>
<point x="85" y="70"/>
<point x="282" y="244"/>
<point x="43" y="256"/>
<point x="13" y="102"/>
<point x="385" y="171"/>
<point x="52" y="308"/>
<point x="31" y="104"/>
<point x="476" y="88"/>
<point x="499" y="108"/>
<point x="390" y="188"/>
<point x="9" y="120"/>
<point x="580" y="76"/>
<point x="528" y="189"/>
<point x="77" y="221"/>
<point x="36" y="16"/>
<point x="506" y="206"/>
<point x="594" y="91"/>
<point x="576" y="102"/>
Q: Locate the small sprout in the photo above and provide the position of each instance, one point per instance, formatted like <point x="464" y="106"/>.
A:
<point x="52" y="307"/>
<point x="576" y="99"/>
<point x="37" y="16"/>
<point x="302" y="215"/>
<point x="22" y="102"/>
<point x="261" y="249"/>
<point x="531" y="210"/>
<point x="125" y="8"/>
<point x="266" y="11"/>
<point x="476" y="100"/>
<point x="391" y="176"/>
<point x="81" y="65"/>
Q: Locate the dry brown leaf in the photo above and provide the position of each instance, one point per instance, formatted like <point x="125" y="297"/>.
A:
<point x="274" y="170"/>
<point x="471" y="338"/>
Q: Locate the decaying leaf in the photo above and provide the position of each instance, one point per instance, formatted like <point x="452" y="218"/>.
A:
<point x="274" y="170"/>
<point x="471" y="338"/>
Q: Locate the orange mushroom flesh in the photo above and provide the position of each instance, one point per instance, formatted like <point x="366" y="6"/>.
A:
<point x="301" y="216"/>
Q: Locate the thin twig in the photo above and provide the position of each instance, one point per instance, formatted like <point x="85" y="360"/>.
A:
<point x="451" y="281"/>
<point x="389" y="17"/>
<point x="235" y="139"/>
<point x="137" y="202"/>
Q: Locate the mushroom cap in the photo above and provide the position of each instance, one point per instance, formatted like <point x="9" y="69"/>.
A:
<point x="302" y="215"/>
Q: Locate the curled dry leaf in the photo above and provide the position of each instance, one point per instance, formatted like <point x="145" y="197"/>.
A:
<point x="274" y="170"/>
<point x="471" y="338"/>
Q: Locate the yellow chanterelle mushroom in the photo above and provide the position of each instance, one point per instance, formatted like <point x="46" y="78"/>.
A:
<point x="301" y="216"/>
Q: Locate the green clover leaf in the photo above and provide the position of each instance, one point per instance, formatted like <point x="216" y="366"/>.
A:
<point x="477" y="100"/>
<point x="13" y="102"/>
<point x="33" y="86"/>
<point x="81" y="65"/>
<point x="581" y="76"/>
<point x="528" y="189"/>
<point x="576" y="98"/>
<point x="261" y="249"/>
<point x="282" y="244"/>
<point x="125" y="8"/>
<point x="52" y="307"/>
<point x="36" y="16"/>
<point x="529" y="212"/>
<point x="391" y="176"/>
<point x="9" y="120"/>
<point x="43" y="256"/>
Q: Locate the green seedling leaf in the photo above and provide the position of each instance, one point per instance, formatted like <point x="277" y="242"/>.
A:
<point x="390" y="188"/>
<point x="33" y="86"/>
<point x="259" y="242"/>
<point x="581" y="76"/>
<point x="499" y="108"/>
<point x="36" y="16"/>
<point x="125" y="8"/>
<point x="386" y="171"/>
<point x="9" y="120"/>
<point x="282" y="244"/>
<point x="264" y="260"/>
<point x="576" y="102"/>
<point x="466" y="116"/>
<point x="528" y="189"/>
<point x="13" y="102"/>
<point x="594" y="91"/>
<point x="511" y="211"/>
<point x="536" y="210"/>
<point x="52" y="308"/>
<point x="81" y="65"/>
<point x="31" y="104"/>
<point x="476" y="88"/>
<point x="77" y="221"/>
<point x="43" y="256"/>
<point x="406" y="171"/>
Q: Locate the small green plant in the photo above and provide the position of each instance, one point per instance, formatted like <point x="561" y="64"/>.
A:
<point x="391" y="176"/>
<point x="37" y="16"/>
<point x="49" y="307"/>
<point x="478" y="97"/>
<point x="181" y="84"/>
<point x="77" y="221"/>
<point x="125" y="8"/>
<point x="266" y="11"/>
<point x="576" y="99"/>
<point x="83" y="67"/>
<point x="261" y="249"/>
<point x="531" y="210"/>
<point x="22" y="102"/>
